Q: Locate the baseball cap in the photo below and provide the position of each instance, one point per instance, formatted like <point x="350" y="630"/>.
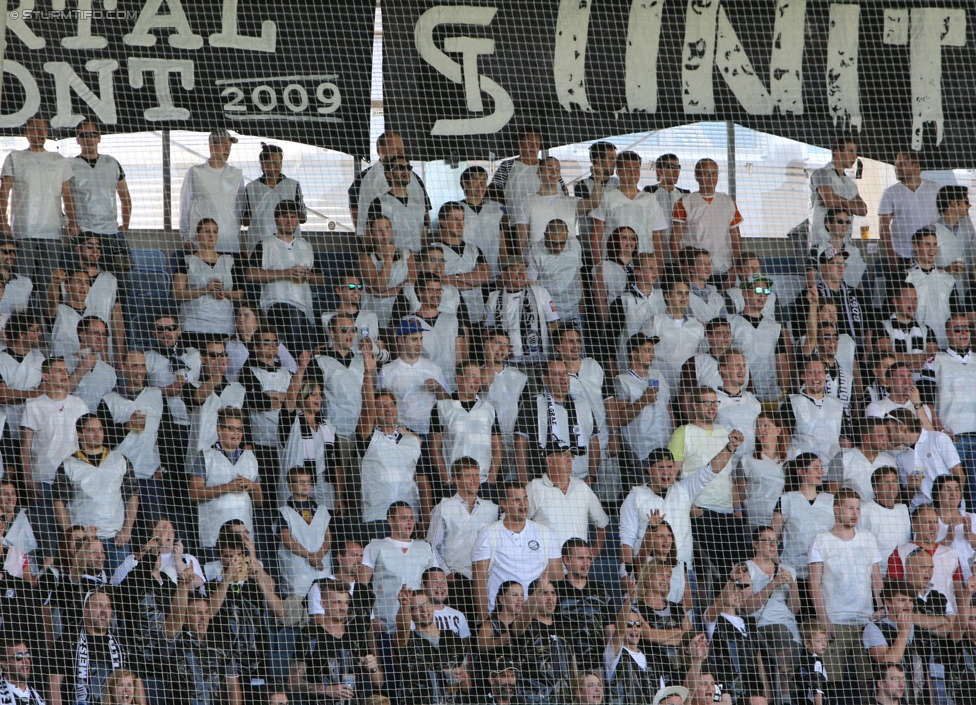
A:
<point x="663" y="693"/>
<point x="828" y="252"/>
<point x="755" y="279"/>
<point x="658" y="455"/>
<point x="409" y="326"/>
<point x="222" y="135"/>
<point x="502" y="663"/>
<point x="555" y="448"/>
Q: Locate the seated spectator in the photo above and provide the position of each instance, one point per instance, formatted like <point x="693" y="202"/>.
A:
<point x="430" y="261"/>
<point x="348" y="290"/>
<point x="96" y="487"/>
<point x="207" y="282"/>
<point x="954" y="230"/>
<point x="284" y="266"/>
<point x="306" y="539"/>
<point x="886" y="517"/>
<point x="555" y="263"/>
<point x="837" y="223"/>
<point x="761" y="471"/>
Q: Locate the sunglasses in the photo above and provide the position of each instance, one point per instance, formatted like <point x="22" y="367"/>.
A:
<point x="236" y="429"/>
<point x="88" y="135"/>
<point x="268" y="342"/>
<point x="635" y="623"/>
<point x="217" y="355"/>
<point x="167" y="329"/>
<point x="960" y="329"/>
<point x="842" y="222"/>
<point x="763" y="290"/>
<point x="8" y="250"/>
<point x="353" y="287"/>
<point x="21" y="655"/>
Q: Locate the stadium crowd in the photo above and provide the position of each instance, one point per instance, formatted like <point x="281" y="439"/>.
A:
<point x="539" y="449"/>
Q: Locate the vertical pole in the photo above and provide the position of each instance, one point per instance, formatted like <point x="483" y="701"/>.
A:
<point x="730" y="155"/>
<point x="167" y="182"/>
<point x="3" y="40"/>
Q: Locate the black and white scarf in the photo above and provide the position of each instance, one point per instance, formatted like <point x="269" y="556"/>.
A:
<point x="83" y="664"/>
<point x="8" y="697"/>
<point x="577" y="443"/>
<point x="529" y="329"/>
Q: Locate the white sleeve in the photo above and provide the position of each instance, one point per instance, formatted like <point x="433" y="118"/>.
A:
<point x="555" y="550"/>
<point x="660" y="222"/>
<point x="436" y="532"/>
<point x="816" y="556"/>
<point x="629" y="522"/>
<point x="550" y="313"/>
<point x="598" y="517"/>
<point x="315" y="600"/>
<point x="8" y="167"/>
<point x="368" y="555"/>
<point x="186" y="198"/>
<point x="481" y="551"/>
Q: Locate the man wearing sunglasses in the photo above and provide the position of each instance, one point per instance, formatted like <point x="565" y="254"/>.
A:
<point x="762" y="340"/>
<point x="838" y="223"/>
<point x="99" y="190"/>
<point x="17" y="675"/>
<point x="405" y="203"/>
<point x="372" y="183"/>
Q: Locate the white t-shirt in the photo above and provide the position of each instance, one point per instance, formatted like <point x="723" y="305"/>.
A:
<point x="522" y="556"/>
<point x="891" y="527"/>
<point x="55" y="437"/>
<point x="566" y="515"/>
<point x="846" y="581"/>
<point x="910" y="210"/>
<point x="35" y="198"/>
